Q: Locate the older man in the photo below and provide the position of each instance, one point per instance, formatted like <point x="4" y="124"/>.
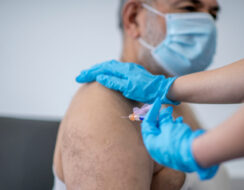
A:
<point x="96" y="148"/>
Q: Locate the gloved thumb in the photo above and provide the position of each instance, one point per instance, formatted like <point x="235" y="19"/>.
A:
<point x="90" y="75"/>
<point x="150" y="122"/>
<point x="152" y="115"/>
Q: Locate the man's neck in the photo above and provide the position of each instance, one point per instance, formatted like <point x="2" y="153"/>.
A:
<point x="130" y="55"/>
<point x="156" y="70"/>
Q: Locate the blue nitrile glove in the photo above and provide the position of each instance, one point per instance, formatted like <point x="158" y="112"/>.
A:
<point x="169" y="142"/>
<point x="131" y="79"/>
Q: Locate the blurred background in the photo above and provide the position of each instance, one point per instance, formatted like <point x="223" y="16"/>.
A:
<point x="44" y="44"/>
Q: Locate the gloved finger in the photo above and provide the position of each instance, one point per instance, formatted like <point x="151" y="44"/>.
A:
<point x="166" y="114"/>
<point x="90" y="74"/>
<point x="165" y="117"/>
<point x="112" y="82"/>
<point x="152" y="115"/>
<point x="149" y="126"/>
<point x="179" y="120"/>
<point x="113" y="67"/>
<point x="150" y="122"/>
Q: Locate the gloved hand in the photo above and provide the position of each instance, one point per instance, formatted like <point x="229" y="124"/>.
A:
<point x="131" y="79"/>
<point x="169" y="142"/>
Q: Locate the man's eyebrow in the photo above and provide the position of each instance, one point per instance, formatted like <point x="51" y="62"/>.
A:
<point x="192" y="1"/>
<point x="198" y="2"/>
<point x="216" y="8"/>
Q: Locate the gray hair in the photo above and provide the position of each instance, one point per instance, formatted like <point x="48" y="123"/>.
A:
<point x="121" y="6"/>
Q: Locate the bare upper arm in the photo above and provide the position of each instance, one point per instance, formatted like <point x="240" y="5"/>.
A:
<point x="99" y="149"/>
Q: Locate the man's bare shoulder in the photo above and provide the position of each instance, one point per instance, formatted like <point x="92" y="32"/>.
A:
<point x="94" y="93"/>
<point x="95" y="101"/>
<point x="98" y="111"/>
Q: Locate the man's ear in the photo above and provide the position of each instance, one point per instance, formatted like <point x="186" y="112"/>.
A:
<point x="130" y="15"/>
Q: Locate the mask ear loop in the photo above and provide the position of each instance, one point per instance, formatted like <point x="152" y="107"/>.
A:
<point x="145" y="44"/>
<point x="153" y="10"/>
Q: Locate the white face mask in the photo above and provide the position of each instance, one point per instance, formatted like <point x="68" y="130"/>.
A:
<point x="189" y="45"/>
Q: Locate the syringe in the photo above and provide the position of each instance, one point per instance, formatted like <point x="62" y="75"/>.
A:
<point x="138" y="113"/>
<point x="134" y="117"/>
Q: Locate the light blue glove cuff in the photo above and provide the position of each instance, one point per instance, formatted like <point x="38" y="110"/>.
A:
<point x="203" y="173"/>
<point x="164" y="89"/>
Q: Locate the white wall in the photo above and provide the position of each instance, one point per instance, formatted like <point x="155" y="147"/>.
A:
<point x="44" y="44"/>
